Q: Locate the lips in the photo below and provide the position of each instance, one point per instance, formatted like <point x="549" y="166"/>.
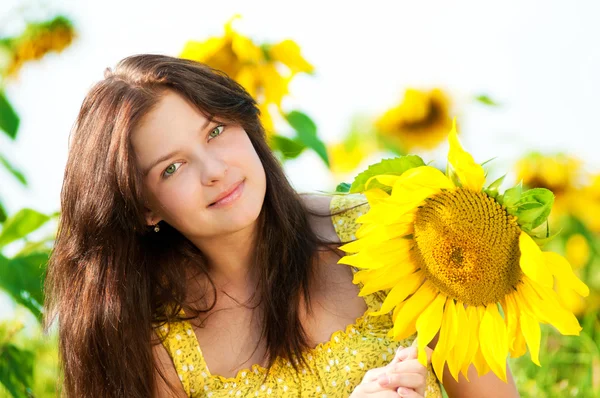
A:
<point x="226" y="193"/>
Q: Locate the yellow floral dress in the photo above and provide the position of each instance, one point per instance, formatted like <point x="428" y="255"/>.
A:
<point x="338" y="365"/>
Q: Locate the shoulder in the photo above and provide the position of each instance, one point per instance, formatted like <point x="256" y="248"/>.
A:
<point x="319" y="215"/>
<point x="333" y="217"/>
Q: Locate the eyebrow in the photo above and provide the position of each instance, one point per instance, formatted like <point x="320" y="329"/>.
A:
<point x="161" y="159"/>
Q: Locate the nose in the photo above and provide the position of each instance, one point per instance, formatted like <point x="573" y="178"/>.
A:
<point x="213" y="168"/>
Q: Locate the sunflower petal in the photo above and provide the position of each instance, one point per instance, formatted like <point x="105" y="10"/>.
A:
<point x="446" y="341"/>
<point x="405" y="319"/>
<point x="382" y="279"/>
<point x="428" y="325"/>
<point x="400" y="292"/>
<point x="470" y="174"/>
<point x="386" y="212"/>
<point x="516" y="342"/>
<point x="543" y="304"/>
<point x="493" y="340"/>
<point x="375" y="196"/>
<point x="561" y="268"/>
<point x="532" y="333"/>
<point x="419" y="183"/>
<point x="385" y="179"/>
<point x="461" y="347"/>
<point x="532" y="262"/>
<point x="481" y="365"/>
<point x="473" y="330"/>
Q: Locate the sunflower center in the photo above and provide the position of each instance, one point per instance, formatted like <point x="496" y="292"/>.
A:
<point x="468" y="246"/>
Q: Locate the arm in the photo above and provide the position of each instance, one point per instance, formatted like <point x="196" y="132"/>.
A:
<point x="488" y="385"/>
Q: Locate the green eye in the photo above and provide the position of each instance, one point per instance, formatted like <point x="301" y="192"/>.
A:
<point x="216" y="131"/>
<point x="170" y="170"/>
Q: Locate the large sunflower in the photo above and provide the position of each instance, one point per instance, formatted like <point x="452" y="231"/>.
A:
<point x="461" y="260"/>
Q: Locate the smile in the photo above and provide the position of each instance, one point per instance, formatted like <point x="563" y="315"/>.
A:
<point x="231" y="197"/>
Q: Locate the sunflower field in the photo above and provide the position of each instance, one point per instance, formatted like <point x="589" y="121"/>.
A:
<point x="512" y="261"/>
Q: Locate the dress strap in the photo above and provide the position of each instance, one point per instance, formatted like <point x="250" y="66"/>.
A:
<point x="182" y="345"/>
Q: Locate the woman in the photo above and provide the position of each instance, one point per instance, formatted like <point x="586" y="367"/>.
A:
<point x="182" y="247"/>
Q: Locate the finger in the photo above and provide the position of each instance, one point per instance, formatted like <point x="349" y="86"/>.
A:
<point x="373" y="374"/>
<point x="394" y="380"/>
<point x="396" y="355"/>
<point x="408" y="393"/>
<point x="408" y="366"/>
<point x="371" y="388"/>
<point x="406" y="353"/>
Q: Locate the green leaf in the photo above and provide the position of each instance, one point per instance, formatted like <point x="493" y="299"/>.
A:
<point x="289" y="148"/>
<point x="532" y="207"/>
<point x="492" y="189"/>
<point x="511" y="196"/>
<point x="343" y="187"/>
<point x="20" y="225"/>
<point x="13" y="170"/>
<point x="394" y="166"/>
<point x="9" y="120"/>
<point x="3" y="214"/>
<point x="23" y="279"/>
<point x="484" y="99"/>
<point x="16" y="370"/>
<point x="307" y="133"/>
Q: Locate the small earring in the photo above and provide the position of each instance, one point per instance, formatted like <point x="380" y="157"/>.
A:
<point x="156" y="227"/>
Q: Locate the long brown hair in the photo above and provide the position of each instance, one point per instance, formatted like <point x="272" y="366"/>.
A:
<point x="110" y="279"/>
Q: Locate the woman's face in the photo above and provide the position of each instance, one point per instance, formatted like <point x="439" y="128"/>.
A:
<point x="189" y="162"/>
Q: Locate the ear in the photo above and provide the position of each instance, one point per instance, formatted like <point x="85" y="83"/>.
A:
<point x="151" y="217"/>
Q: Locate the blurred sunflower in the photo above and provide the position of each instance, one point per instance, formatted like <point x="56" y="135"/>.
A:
<point x="577" y="252"/>
<point x="37" y="40"/>
<point x="358" y="144"/>
<point x="585" y="204"/>
<point x="559" y="173"/>
<point x="453" y="253"/>
<point x="421" y="120"/>
<point x="264" y="70"/>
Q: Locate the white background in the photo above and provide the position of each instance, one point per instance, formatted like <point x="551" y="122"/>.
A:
<point x="540" y="59"/>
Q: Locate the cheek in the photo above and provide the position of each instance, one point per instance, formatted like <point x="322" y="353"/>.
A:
<point x="177" y="197"/>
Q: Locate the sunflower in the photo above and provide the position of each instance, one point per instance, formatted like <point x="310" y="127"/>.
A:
<point x="421" y="120"/>
<point x="460" y="260"/>
<point x="264" y="70"/>
<point x="37" y="40"/>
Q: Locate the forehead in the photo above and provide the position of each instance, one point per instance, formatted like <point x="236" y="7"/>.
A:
<point x="168" y="122"/>
<point x="171" y="113"/>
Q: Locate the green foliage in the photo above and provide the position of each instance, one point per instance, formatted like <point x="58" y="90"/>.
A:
<point x="531" y="207"/>
<point x="570" y="364"/>
<point x="13" y="170"/>
<point x="16" y="370"/>
<point x="288" y="147"/>
<point x="306" y="131"/>
<point x="20" y="225"/>
<point x="21" y="276"/>
<point x="394" y="166"/>
<point x="9" y="120"/>
<point x="486" y="100"/>
<point x="343" y="187"/>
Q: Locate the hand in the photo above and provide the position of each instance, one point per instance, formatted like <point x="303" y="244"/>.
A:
<point x="404" y="376"/>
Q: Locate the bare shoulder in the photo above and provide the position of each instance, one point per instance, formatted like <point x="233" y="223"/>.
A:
<point x="169" y="386"/>
<point x="319" y="215"/>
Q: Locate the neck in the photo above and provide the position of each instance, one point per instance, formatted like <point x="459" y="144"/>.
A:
<point x="230" y="259"/>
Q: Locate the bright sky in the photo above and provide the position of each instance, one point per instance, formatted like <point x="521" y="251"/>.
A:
<point x="539" y="58"/>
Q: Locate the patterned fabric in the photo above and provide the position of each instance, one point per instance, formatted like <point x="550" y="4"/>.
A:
<point x="336" y="366"/>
